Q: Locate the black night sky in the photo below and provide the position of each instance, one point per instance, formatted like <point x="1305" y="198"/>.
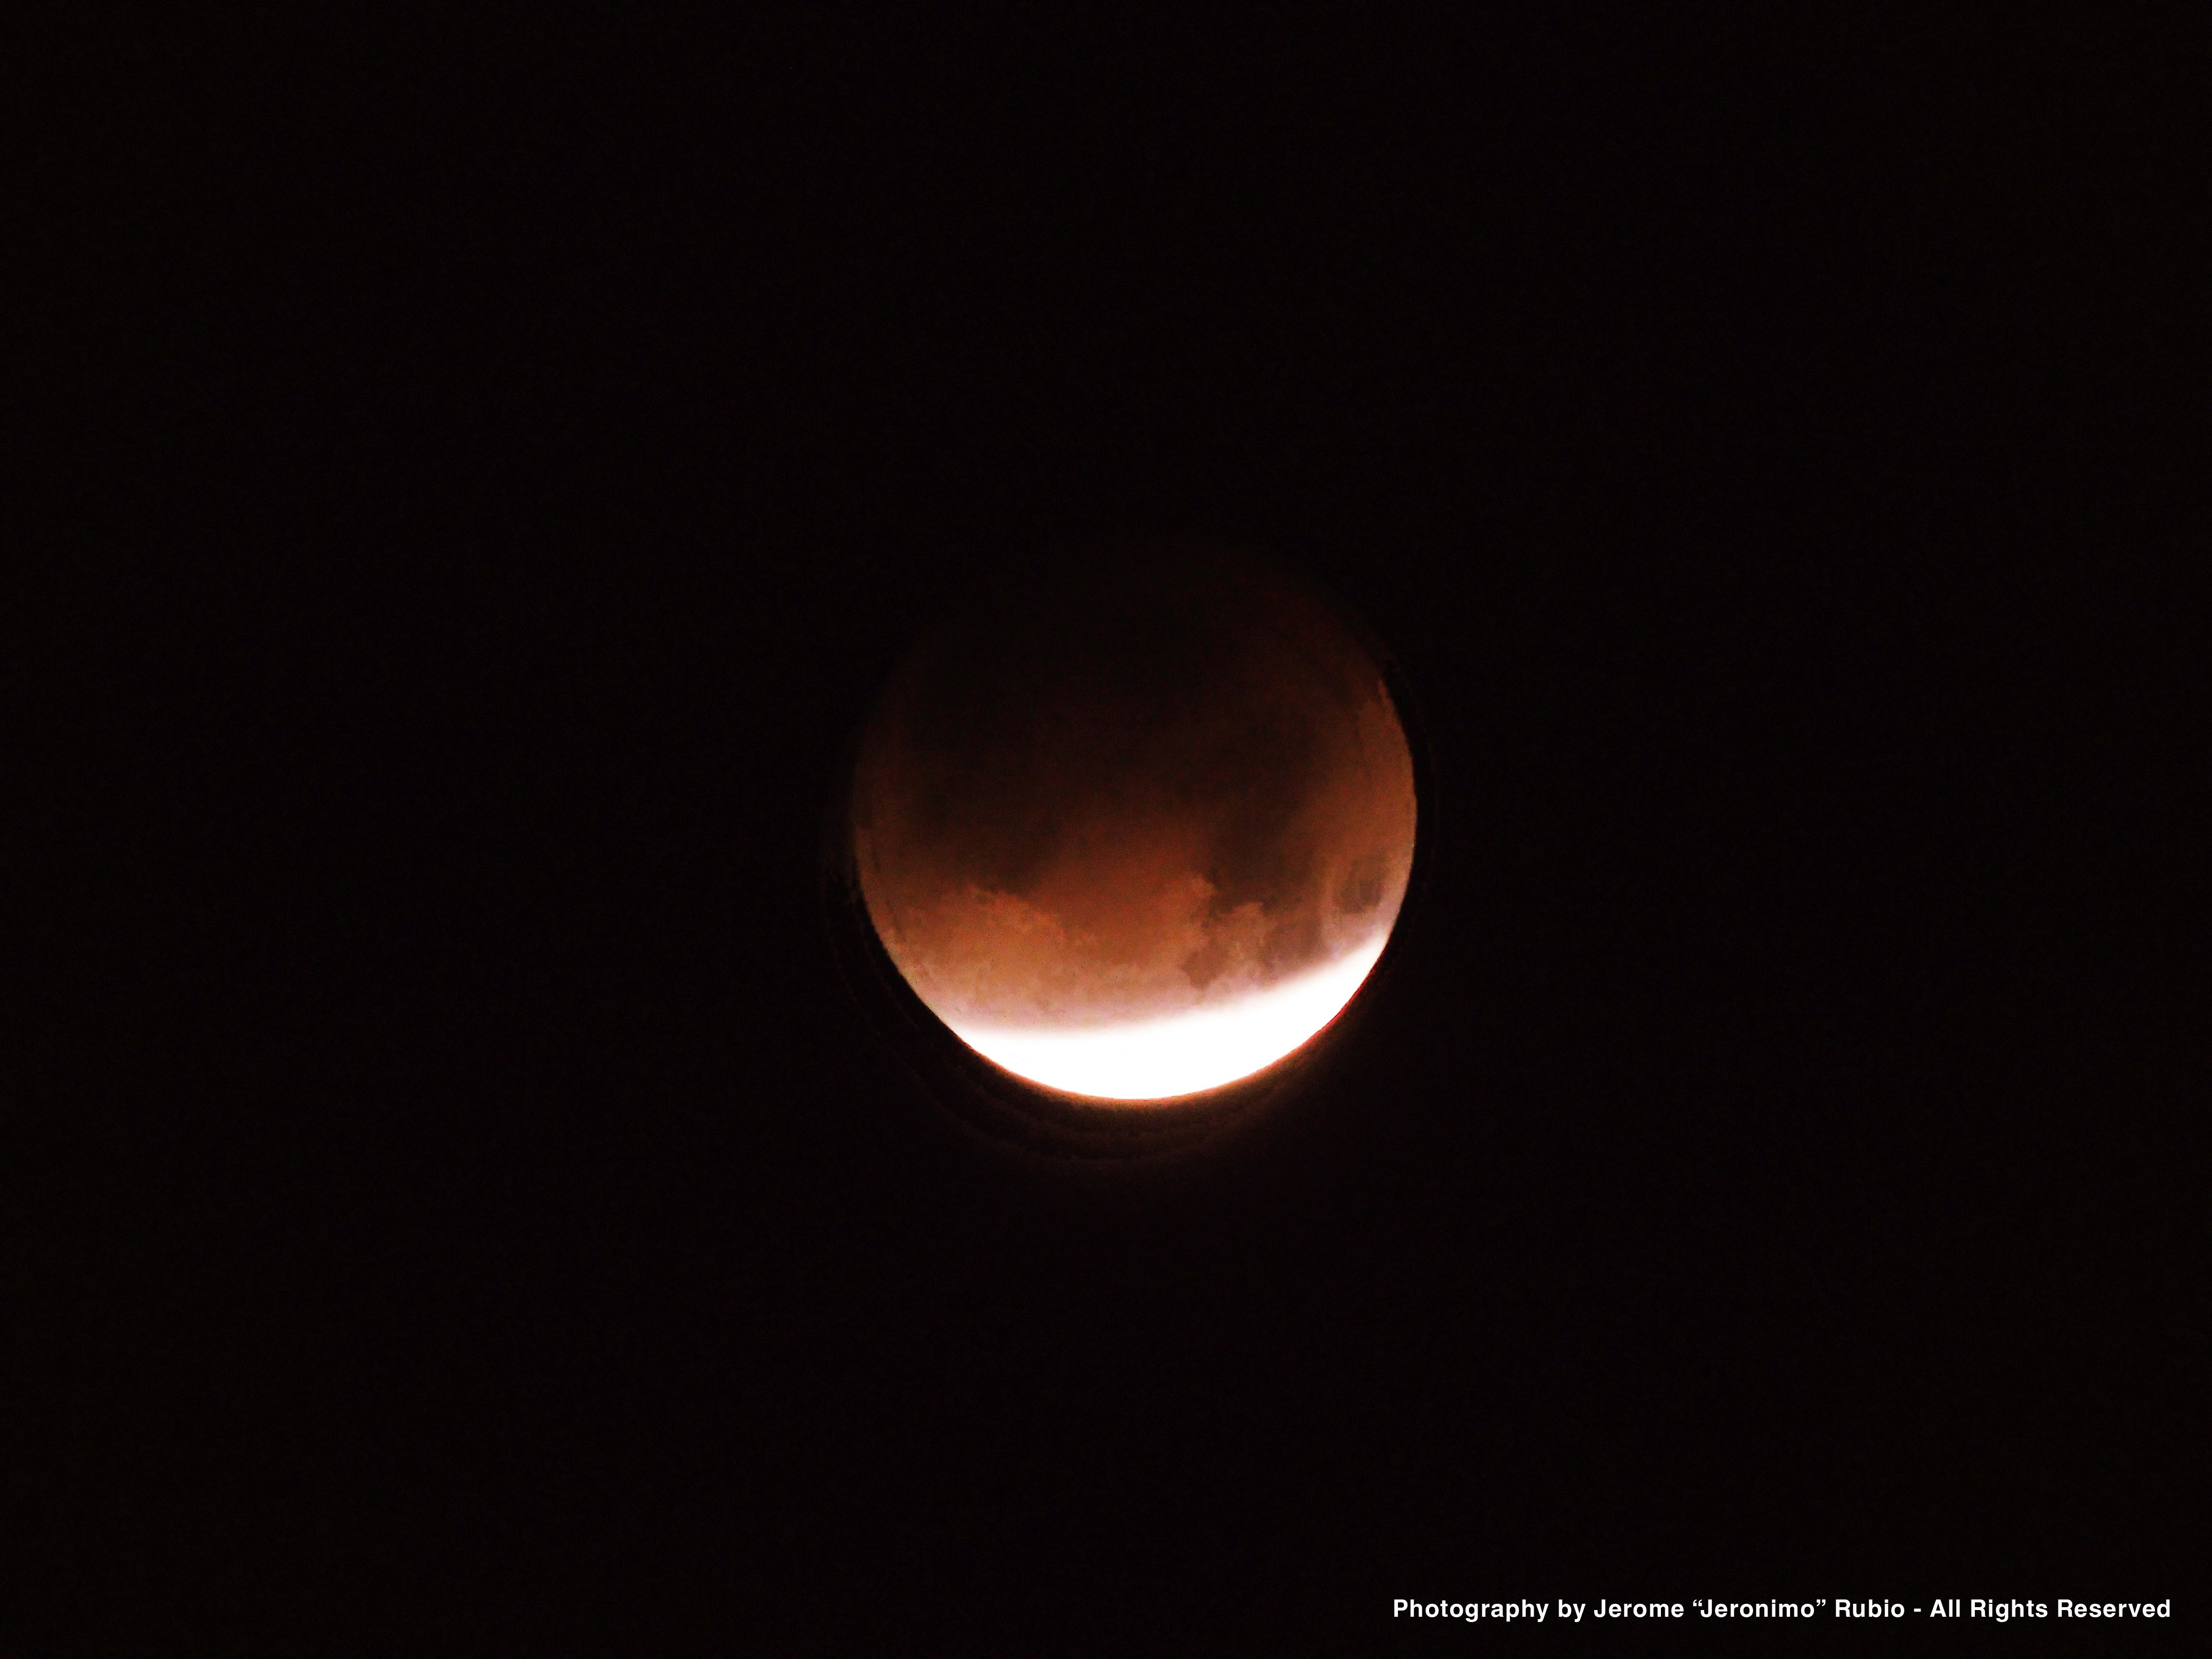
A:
<point x="513" y="458"/>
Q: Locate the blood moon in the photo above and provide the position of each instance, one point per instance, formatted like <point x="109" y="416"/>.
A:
<point x="1137" y="823"/>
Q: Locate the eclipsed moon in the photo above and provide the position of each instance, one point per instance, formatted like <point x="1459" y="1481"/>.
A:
<point x="1136" y="825"/>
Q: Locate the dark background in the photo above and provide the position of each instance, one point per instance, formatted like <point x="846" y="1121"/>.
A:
<point x="504" y="462"/>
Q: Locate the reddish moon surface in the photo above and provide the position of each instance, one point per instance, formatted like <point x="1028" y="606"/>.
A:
<point x="1138" y="825"/>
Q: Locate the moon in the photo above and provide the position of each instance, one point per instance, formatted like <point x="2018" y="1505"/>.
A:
<point x="1137" y="823"/>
